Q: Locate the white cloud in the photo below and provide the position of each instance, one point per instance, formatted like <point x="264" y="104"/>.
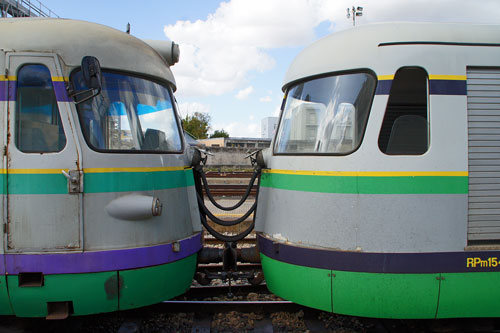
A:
<point x="244" y="93"/>
<point x="217" y="54"/>
<point x="192" y="107"/>
<point x="239" y="129"/>
<point x="265" y="99"/>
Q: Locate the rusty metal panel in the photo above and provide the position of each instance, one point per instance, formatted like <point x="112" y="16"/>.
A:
<point x="41" y="213"/>
<point x="35" y="227"/>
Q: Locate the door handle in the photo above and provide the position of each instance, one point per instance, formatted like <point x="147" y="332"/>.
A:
<point x="75" y="181"/>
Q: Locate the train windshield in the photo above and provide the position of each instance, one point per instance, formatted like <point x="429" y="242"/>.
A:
<point x="326" y="115"/>
<point x="130" y="114"/>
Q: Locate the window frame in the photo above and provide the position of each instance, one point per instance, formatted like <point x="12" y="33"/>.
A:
<point x="173" y="101"/>
<point x="427" y="98"/>
<point x="17" y="112"/>
<point x="292" y="84"/>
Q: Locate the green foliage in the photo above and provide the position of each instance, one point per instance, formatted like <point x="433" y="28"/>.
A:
<point x="197" y="125"/>
<point x="220" y="134"/>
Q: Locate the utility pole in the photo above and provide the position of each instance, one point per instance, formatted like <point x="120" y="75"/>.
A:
<point x="354" y="12"/>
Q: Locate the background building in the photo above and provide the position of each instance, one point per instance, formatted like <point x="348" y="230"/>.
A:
<point x="231" y="152"/>
<point x="237" y="142"/>
<point x="268" y="127"/>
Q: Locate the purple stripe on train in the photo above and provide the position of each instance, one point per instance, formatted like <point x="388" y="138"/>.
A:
<point x="448" y="87"/>
<point x="60" y="90"/>
<point x="372" y="262"/>
<point x="100" y="261"/>
<point x="12" y="91"/>
<point x="436" y="87"/>
<point x="383" y="87"/>
<point x="8" y="91"/>
<point x="3" y="90"/>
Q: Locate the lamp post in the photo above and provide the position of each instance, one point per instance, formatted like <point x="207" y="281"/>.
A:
<point x="355" y="11"/>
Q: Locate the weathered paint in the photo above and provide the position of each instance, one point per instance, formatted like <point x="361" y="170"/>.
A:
<point x="99" y="261"/>
<point x="428" y="287"/>
<point x="469" y="295"/>
<point x="367" y="222"/>
<point x="404" y="296"/>
<point x="94" y="278"/>
<point x="5" y="306"/>
<point x="86" y="291"/>
<point x="3" y="89"/>
<point x="155" y="284"/>
<point x="37" y="183"/>
<point x="44" y="36"/>
<point x="105" y="291"/>
<point x="303" y="285"/>
<point x="125" y="181"/>
<point x="52" y="181"/>
<point x="380" y="262"/>
<point x="31" y="225"/>
<point x="379" y="295"/>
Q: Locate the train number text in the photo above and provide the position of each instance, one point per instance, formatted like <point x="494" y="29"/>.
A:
<point x="478" y="262"/>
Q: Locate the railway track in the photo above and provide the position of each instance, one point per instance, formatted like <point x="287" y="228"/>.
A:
<point x="208" y="309"/>
<point x="229" y="184"/>
<point x="249" y="240"/>
<point x="232" y="174"/>
<point x="230" y="190"/>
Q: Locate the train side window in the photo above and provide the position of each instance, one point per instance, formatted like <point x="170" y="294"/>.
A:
<point x="405" y="129"/>
<point x="38" y="127"/>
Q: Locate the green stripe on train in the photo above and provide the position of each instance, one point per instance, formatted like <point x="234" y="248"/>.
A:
<point x="101" y="292"/>
<point x="137" y="181"/>
<point x="368" y="184"/>
<point x="383" y="295"/>
<point x="19" y="183"/>
<point x="97" y="182"/>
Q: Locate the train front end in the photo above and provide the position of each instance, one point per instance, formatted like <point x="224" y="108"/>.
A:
<point x="99" y="203"/>
<point x="379" y="193"/>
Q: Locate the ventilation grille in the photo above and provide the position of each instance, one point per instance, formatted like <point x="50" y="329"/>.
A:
<point x="483" y="112"/>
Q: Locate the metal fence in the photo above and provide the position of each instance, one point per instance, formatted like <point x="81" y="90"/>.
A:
<point x="25" y="8"/>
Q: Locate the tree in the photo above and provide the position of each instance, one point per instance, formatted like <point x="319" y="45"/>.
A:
<point x="220" y="134"/>
<point x="197" y="125"/>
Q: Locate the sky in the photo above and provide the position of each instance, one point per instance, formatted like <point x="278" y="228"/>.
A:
<point x="235" y="53"/>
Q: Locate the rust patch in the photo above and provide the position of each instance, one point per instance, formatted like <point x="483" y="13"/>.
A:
<point x="113" y="286"/>
<point x="8" y="157"/>
<point x="8" y="114"/>
<point x="121" y="284"/>
<point x="9" y="238"/>
<point x="75" y="138"/>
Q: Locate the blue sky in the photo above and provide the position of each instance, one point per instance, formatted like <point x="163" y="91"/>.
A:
<point x="234" y="54"/>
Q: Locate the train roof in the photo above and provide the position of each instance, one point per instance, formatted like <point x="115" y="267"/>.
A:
<point x="359" y="47"/>
<point x="72" y="40"/>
